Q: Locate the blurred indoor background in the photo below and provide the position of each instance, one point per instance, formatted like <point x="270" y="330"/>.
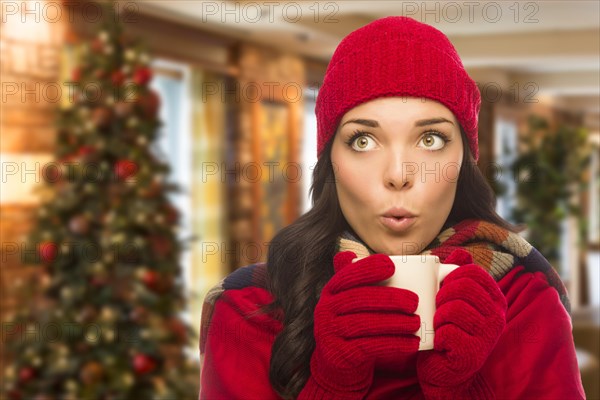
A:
<point x="237" y="81"/>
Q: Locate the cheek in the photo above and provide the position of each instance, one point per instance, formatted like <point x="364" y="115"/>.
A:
<point x="439" y="193"/>
<point x="354" y="187"/>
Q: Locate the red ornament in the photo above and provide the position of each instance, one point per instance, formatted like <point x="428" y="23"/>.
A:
<point x="102" y="116"/>
<point x="47" y="251"/>
<point x="172" y="214"/>
<point x="118" y="77"/>
<point x="143" y="364"/>
<point x="97" y="45"/>
<point x="123" y="108"/>
<point x="142" y="76"/>
<point x="76" y="74"/>
<point x="26" y="374"/>
<point x="86" y="150"/>
<point x="99" y="73"/>
<point x="149" y="103"/>
<point x="177" y="327"/>
<point x="151" y="191"/>
<point x="139" y="314"/>
<point x="161" y="246"/>
<point x="14" y="394"/>
<point x="151" y="279"/>
<point x="125" y="169"/>
<point x="98" y="280"/>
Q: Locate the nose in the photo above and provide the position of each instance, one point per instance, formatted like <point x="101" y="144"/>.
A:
<point x="399" y="171"/>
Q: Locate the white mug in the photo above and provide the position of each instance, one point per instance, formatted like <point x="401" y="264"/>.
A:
<point x="421" y="274"/>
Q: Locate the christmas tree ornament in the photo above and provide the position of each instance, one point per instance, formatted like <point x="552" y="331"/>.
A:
<point x="104" y="36"/>
<point x="79" y="225"/>
<point x="149" y="103"/>
<point x="144" y="58"/>
<point x="140" y="218"/>
<point x="91" y="372"/>
<point x="125" y="169"/>
<point x="127" y="379"/>
<point x="45" y="279"/>
<point x="132" y="122"/>
<point x="84" y="112"/>
<point x="171" y="213"/>
<point x="26" y="374"/>
<point x="142" y="75"/>
<point x="100" y="144"/>
<point x="87" y="153"/>
<point x="161" y="246"/>
<point x="139" y="314"/>
<point x="89" y="188"/>
<point x="71" y="386"/>
<point x="108" y="335"/>
<point x="99" y="280"/>
<point x="102" y="116"/>
<point x="178" y="330"/>
<point x="143" y="364"/>
<point x="130" y="55"/>
<point x="108" y="314"/>
<point x="97" y="45"/>
<point x="14" y="394"/>
<point x="88" y="313"/>
<point x="151" y="279"/>
<point x="66" y="293"/>
<point x="159" y="219"/>
<point x="99" y="73"/>
<point x="146" y="334"/>
<point x="82" y="347"/>
<point x="118" y="77"/>
<point x="47" y="251"/>
<point x="109" y="360"/>
<point x="123" y="108"/>
<point x="76" y="75"/>
<point x="89" y="126"/>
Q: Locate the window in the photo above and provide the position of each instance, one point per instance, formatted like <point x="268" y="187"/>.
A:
<point x="309" y="146"/>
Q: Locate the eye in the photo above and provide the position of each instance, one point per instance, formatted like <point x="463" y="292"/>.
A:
<point x="359" y="141"/>
<point x="434" y="140"/>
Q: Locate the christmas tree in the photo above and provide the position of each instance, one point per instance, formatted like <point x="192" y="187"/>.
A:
<point x="105" y="323"/>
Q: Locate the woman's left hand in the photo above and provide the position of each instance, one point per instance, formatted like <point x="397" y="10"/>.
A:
<point x="469" y="319"/>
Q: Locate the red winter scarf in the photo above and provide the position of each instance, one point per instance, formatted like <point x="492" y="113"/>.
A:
<point x="492" y="247"/>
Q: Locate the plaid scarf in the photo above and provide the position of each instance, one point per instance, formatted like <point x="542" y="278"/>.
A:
<point x="492" y="247"/>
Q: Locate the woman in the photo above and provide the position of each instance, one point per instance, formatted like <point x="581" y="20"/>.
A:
<point x="396" y="174"/>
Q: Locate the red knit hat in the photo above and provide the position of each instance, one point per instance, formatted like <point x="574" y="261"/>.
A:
<point x="396" y="56"/>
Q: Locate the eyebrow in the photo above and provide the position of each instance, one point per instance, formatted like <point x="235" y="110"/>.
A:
<point x="374" y="124"/>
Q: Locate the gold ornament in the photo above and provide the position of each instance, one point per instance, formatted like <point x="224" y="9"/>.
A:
<point x="91" y="372"/>
<point x="107" y="314"/>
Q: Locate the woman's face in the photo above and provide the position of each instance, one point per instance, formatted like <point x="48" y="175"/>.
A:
<point x="397" y="152"/>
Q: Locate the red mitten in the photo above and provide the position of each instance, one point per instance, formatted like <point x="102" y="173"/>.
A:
<point x="469" y="319"/>
<point x="356" y="324"/>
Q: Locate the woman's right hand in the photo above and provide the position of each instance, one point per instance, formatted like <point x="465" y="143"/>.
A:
<point x="358" y="322"/>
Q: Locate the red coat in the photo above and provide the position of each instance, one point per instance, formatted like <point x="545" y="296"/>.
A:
<point x="533" y="359"/>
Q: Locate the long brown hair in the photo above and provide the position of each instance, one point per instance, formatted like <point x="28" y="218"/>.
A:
<point x="300" y="262"/>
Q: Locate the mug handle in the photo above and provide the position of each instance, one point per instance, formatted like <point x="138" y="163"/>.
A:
<point x="444" y="270"/>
